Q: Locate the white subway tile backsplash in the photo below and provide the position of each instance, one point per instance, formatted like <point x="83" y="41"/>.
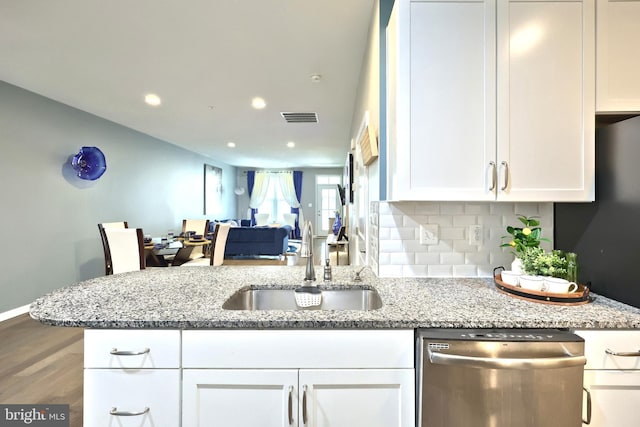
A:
<point x="440" y="271"/>
<point x="465" y="271"/>
<point x="452" y="233"/>
<point x="462" y="220"/>
<point x="452" y="258"/>
<point x="398" y="252"/>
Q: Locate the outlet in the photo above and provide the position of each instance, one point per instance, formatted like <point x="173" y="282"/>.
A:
<point x="429" y="234"/>
<point x="475" y="235"/>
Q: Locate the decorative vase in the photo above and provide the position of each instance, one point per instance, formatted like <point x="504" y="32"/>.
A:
<point x="516" y="266"/>
<point x="336" y="224"/>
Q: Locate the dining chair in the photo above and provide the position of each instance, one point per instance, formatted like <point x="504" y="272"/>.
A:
<point x="105" y="244"/>
<point x="124" y="249"/>
<point x="262" y="219"/>
<point x="218" y="243"/>
<point x="290" y="220"/>
<point x="201" y="227"/>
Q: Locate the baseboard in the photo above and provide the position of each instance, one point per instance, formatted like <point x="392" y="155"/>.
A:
<point x="13" y="313"/>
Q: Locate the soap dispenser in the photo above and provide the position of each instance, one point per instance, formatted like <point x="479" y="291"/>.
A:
<point x="327" y="271"/>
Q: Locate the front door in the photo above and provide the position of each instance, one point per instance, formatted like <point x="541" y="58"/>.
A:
<point x="328" y="202"/>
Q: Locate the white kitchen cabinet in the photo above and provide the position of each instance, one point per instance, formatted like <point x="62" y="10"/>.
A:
<point x="131" y="378"/>
<point x="336" y="378"/>
<point x="491" y="100"/>
<point x="308" y="397"/>
<point x="617" y="56"/>
<point x="612" y="382"/>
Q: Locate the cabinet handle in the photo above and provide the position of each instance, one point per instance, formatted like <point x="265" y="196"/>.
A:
<point x="623" y="353"/>
<point x="114" y="411"/>
<point x="588" y="420"/>
<point x="290" y="407"/>
<point x="492" y="169"/>
<point x="304" y="405"/>
<point x="117" y="352"/>
<point x="504" y="165"/>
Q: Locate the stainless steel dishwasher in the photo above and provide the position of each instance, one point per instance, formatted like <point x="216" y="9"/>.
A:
<point x="499" y="378"/>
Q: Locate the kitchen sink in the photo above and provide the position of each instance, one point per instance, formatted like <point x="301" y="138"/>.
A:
<point x="283" y="299"/>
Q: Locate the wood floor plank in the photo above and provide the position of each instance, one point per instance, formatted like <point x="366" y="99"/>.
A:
<point x="41" y="364"/>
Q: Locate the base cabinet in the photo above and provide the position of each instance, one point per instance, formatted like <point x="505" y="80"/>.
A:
<point x="305" y="397"/>
<point x="612" y="378"/>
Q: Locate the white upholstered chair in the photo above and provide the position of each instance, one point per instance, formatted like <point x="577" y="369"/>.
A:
<point x="124" y="250"/>
<point x="262" y="219"/>
<point x="200" y="226"/>
<point x="218" y="243"/>
<point x="290" y="219"/>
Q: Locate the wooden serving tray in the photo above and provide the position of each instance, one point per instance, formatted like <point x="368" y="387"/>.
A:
<point x="579" y="297"/>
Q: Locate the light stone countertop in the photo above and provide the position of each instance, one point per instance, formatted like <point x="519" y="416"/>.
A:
<point x="192" y="297"/>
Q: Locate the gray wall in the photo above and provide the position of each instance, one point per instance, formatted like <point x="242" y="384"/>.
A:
<point x="50" y="216"/>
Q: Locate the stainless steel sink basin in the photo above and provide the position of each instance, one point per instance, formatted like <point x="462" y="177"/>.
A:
<point x="284" y="299"/>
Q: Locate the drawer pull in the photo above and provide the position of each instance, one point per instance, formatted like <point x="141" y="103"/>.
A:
<point x="304" y="405"/>
<point x="114" y="411"/>
<point x="623" y="353"/>
<point x="290" y="405"/>
<point x="117" y="352"/>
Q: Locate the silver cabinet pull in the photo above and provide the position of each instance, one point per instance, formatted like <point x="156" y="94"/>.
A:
<point x="290" y="407"/>
<point x="506" y="363"/>
<point x="588" y="420"/>
<point x="304" y="405"/>
<point x="117" y="352"/>
<point x="504" y="165"/>
<point x="114" y="411"/>
<point x="623" y="353"/>
<point x="492" y="169"/>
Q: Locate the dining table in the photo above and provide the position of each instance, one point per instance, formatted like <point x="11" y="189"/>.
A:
<point x="174" y="253"/>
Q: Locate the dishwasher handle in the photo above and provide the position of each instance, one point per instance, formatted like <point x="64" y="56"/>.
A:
<point x="505" y="363"/>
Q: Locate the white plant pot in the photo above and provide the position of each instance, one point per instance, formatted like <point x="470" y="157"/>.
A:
<point x="516" y="266"/>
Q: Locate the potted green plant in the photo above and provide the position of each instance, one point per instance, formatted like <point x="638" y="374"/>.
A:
<point x="523" y="238"/>
<point x="537" y="262"/>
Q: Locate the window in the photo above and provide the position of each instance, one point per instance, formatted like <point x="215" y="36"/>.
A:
<point x="274" y="203"/>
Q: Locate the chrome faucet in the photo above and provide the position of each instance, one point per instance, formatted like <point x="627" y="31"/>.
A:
<point x="306" y="251"/>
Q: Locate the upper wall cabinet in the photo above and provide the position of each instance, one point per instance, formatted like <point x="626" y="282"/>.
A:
<point x="491" y="100"/>
<point x="617" y="56"/>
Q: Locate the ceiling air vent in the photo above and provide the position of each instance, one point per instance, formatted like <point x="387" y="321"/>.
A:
<point x="300" y="117"/>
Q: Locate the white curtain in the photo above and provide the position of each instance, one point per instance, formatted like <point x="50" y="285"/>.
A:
<point x="285" y="180"/>
<point x="260" y="188"/>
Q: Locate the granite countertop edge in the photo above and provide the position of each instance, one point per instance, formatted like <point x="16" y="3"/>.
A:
<point x="192" y="298"/>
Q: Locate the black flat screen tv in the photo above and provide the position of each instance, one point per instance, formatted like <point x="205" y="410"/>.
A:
<point x="347" y="179"/>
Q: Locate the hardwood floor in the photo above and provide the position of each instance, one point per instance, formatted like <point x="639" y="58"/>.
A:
<point x="41" y="364"/>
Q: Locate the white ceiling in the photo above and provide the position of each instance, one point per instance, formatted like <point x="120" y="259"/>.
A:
<point x="206" y="59"/>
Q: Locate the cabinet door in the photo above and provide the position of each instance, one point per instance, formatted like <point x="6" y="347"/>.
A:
<point x="617" y="56"/>
<point x="441" y="100"/>
<point x="131" y="397"/>
<point x="546" y="100"/>
<point x="615" y="398"/>
<point x="239" y="398"/>
<point x="366" y="397"/>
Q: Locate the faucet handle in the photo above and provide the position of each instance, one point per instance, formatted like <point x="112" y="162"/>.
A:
<point x="357" y="278"/>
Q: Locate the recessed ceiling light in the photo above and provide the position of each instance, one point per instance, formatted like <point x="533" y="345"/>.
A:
<point x="152" y="99"/>
<point x="291" y="144"/>
<point x="258" y="103"/>
<point x="315" y="78"/>
<point x="231" y="144"/>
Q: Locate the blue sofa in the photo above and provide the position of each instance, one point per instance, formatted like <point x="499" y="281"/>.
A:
<point x="256" y="241"/>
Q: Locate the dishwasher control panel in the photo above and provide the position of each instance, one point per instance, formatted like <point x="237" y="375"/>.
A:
<point x="514" y="335"/>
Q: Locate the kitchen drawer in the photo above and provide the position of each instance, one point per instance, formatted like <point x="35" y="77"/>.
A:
<point x="597" y="343"/>
<point x="163" y="348"/>
<point x="131" y="390"/>
<point x="298" y="349"/>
